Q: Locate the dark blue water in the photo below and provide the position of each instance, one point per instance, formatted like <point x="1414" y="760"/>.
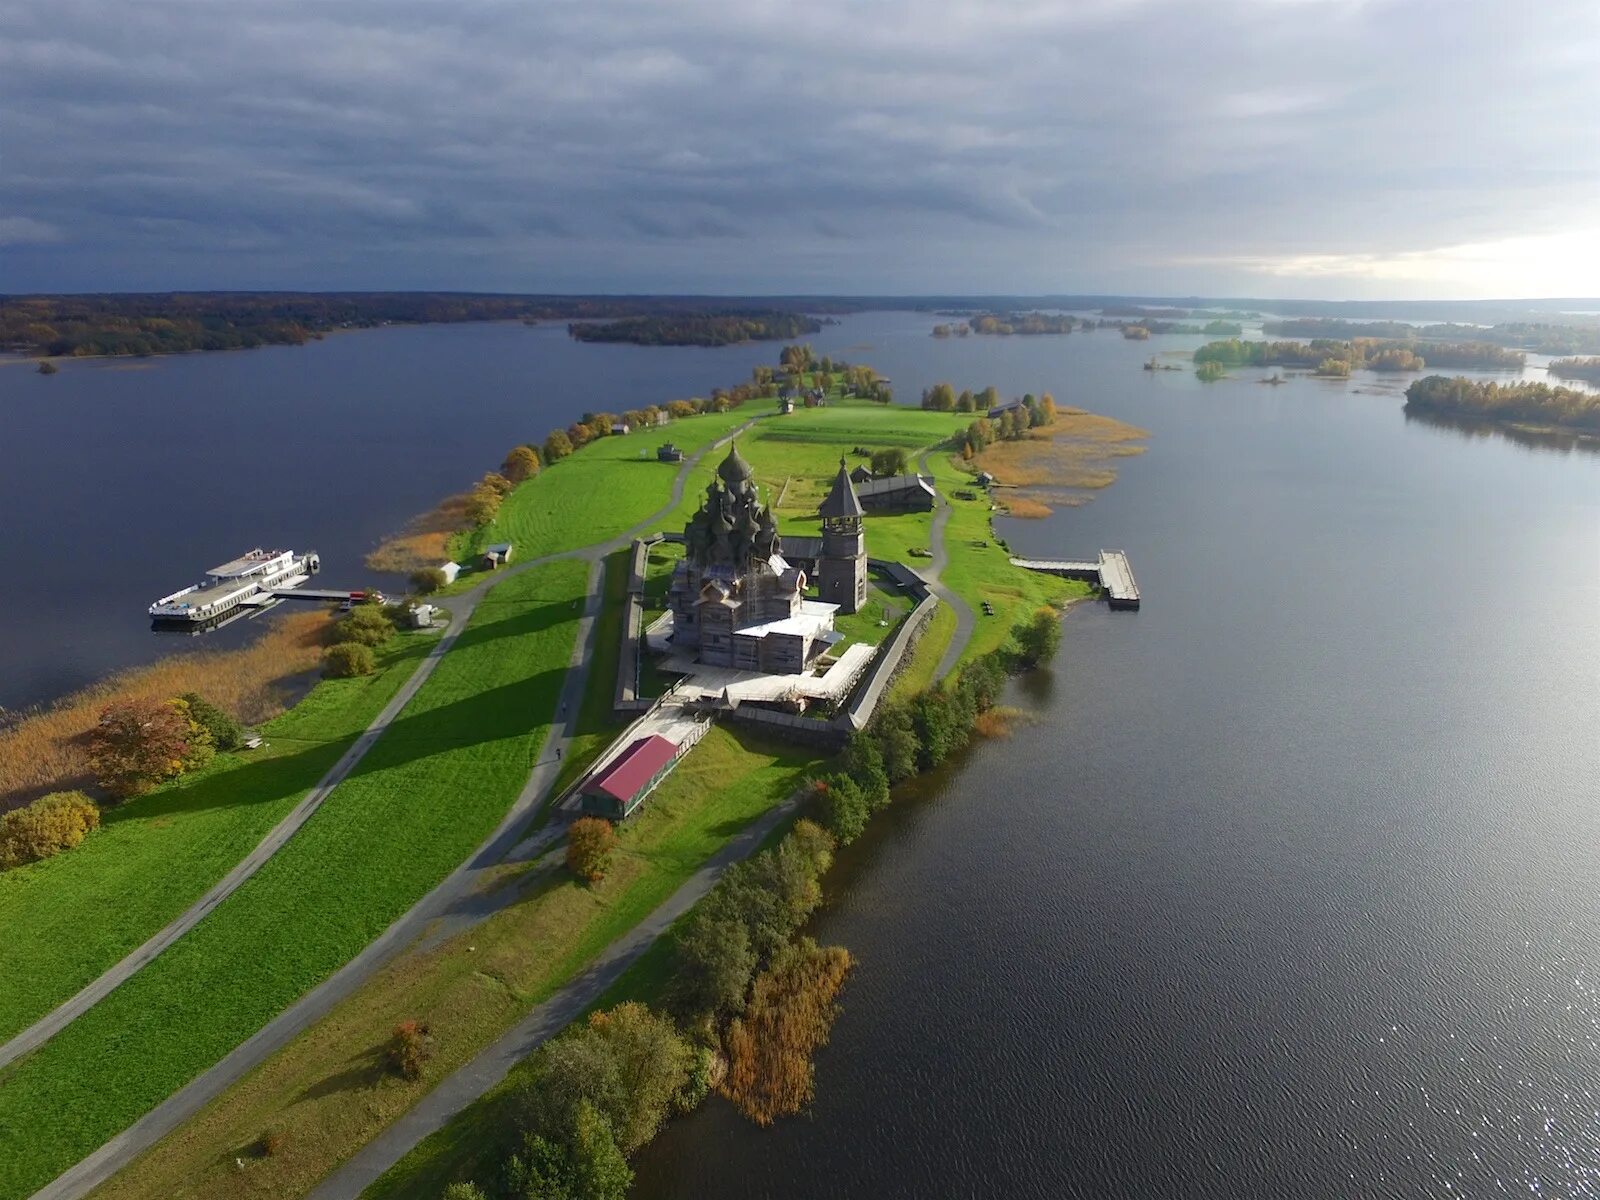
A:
<point x="123" y="481"/>
<point x="1288" y="888"/>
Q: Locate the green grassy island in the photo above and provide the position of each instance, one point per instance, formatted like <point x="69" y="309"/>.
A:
<point x="440" y="779"/>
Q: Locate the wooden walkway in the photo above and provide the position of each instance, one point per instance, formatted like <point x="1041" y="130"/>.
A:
<point x="1110" y="571"/>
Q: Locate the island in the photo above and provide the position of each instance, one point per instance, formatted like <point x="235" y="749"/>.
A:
<point x="698" y="329"/>
<point x="1533" y="405"/>
<point x="671" y="661"/>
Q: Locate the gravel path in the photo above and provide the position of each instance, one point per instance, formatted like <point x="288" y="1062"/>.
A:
<point x="965" y="621"/>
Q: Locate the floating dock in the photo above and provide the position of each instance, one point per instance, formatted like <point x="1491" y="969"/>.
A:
<point x="1110" y="571"/>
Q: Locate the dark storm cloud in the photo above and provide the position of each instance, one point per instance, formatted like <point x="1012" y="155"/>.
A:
<point x="700" y="146"/>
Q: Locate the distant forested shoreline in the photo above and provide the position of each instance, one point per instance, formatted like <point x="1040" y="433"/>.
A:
<point x="145" y="324"/>
<point x="1328" y="356"/>
<point x="1527" y="403"/>
<point x="698" y="329"/>
<point x="1540" y="337"/>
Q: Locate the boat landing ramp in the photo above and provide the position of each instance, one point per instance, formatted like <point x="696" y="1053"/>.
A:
<point x="1110" y="572"/>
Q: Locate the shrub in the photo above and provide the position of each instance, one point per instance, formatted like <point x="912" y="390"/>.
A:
<point x="629" y="1063"/>
<point x="582" y="1163"/>
<point x="349" y="659"/>
<point x="137" y="744"/>
<point x="844" y="807"/>
<point x="367" y="624"/>
<point x="863" y="762"/>
<point x="714" y="966"/>
<point x="1039" y="638"/>
<point x="408" y="1050"/>
<point x="498" y="484"/>
<point x="225" y="732"/>
<point x="890" y="462"/>
<point x="483" y="504"/>
<point x="522" y="463"/>
<point x="428" y="580"/>
<point x="51" y="824"/>
<point x="590" y="843"/>
<point x="464" y="1191"/>
<point x="271" y="1143"/>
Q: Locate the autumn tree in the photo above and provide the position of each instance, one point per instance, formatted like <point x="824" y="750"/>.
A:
<point x="522" y="463"/>
<point x="590" y="844"/>
<point x="557" y="446"/>
<point x="941" y="397"/>
<point x="51" y="824"/>
<point x="137" y="744"/>
<point x="583" y="1162"/>
<point x="483" y="505"/>
<point x="408" y="1050"/>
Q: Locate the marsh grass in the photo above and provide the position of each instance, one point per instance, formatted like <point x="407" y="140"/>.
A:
<point x="47" y="750"/>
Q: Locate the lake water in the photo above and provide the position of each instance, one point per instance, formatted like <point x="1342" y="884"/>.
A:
<point x="1289" y="886"/>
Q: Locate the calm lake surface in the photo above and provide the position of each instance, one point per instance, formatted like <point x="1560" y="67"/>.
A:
<point x="1290" y="886"/>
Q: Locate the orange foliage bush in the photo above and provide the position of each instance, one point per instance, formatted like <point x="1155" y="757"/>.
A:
<point x="792" y="1008"/>
<point x="590" y="842"/>
<point x="46" y="827"/>
<point x="408" y="1049"/>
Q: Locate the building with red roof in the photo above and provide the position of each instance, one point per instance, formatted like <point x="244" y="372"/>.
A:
<point x="618" y="788"/>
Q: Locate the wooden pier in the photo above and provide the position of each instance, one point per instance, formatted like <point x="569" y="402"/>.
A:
<point x="1110" y="571"/>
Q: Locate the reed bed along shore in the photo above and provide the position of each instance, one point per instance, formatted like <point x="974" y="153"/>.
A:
<point x="1076" y="452"/>
<point x="425" y="540"/>
<point x="47" y="750"/>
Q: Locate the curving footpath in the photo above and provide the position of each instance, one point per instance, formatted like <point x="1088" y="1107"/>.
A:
<point x="965" y="621"/>
<point x="315" y="1004"/>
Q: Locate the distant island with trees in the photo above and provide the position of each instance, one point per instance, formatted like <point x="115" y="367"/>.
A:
<point x="145" y="324"/>
<point x="1362" y="353"/>
<point x="1540" y="337"/>
<point x="698" y="329"/>
<point x="1536" y="404"/>
<point x="1027" y="324"/>
<point x="1586" y="369"/>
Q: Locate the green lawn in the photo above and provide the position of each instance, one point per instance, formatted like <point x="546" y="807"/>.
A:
<point x="326" y="1093"/>
<point x="727" y="781"/>
<point x="69" y="918"/>
<point x="595" y="725"/>
<point x="925" y="655"/>
<point x="431" y="789"/>
<point x="602" y="490"/>
<point x="980" y="568"/>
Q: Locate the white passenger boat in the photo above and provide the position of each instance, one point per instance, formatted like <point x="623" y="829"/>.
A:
<point x="248" y="581"/>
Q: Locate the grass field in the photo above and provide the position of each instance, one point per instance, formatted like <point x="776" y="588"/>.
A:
<point x="917" y="675"/>
<point x="601" y="491"/>
<point x="431" y="789"/>
<point x="594" y="725"/>
<point x="67" y="919"/>
<point x="326" y="1092"/>
<point x="980" y="568"/>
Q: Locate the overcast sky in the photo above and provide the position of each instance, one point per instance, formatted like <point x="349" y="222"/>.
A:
<point x="1249" y="147"/>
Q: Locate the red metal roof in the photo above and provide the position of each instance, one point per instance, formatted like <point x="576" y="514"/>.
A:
<point x="635" y="767"/>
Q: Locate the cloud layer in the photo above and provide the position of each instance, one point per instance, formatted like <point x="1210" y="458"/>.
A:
<point x="1245" y="146"/>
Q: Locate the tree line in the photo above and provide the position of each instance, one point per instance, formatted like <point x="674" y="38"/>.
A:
<point x="1328" y="356"/>
<point x="748" y="998"/>
<point x="1540" y="337"/>
<point x="1586" y="369"/>
<point x="697" y="329"/>
<point x="175" y="322"/>
<point x="1532" y="403"/>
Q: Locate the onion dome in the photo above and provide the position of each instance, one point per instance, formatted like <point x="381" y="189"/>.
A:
<point x="734" y="470"/>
